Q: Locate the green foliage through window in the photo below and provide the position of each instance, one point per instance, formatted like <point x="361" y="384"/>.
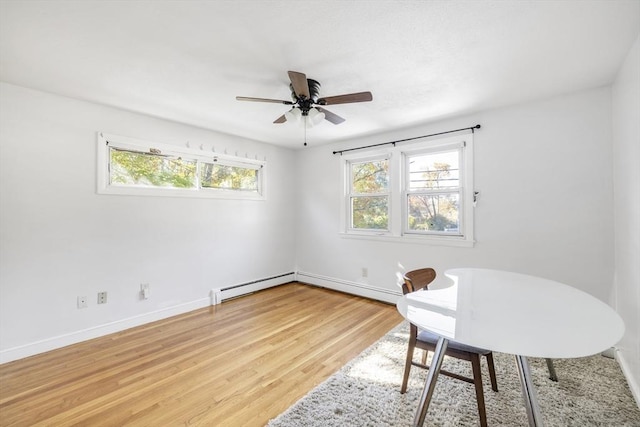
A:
<point x="370" y="177"/>
<point x="135" y="168"/>
<point x="370" y="212"/>
<point x="369" y="196"/>
<point x="228" y="177"/>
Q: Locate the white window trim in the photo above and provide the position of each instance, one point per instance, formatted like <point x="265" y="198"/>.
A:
<point x="440" y="148"/>
<point x="105" y="141"/>
<point x="397" y="169"/>
<point x="345" y="208"/>
<point x="348" y="195"/>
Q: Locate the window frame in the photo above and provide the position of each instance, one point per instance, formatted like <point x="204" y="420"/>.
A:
<point x="399" y="186"/>
<point x="104" y="185"/>
<point x="349" y="195"/>
<point x="459" y="189"/>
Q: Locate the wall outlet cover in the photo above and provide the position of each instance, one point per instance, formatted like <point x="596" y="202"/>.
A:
<point x="82" y="302"/>
<point x="102" y="297"/>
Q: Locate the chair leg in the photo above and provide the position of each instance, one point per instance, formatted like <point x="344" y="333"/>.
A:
<point x="424" y="356"/>
<point x="407" y="365"/>
<point x="477" y="381"/>
<point x="552" y="371"/>
<point x="492" y="372"/>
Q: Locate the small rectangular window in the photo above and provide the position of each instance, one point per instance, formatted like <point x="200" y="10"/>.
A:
<point x="369" y="195"/>
<point x="135" y="167"/>
<point x="226" y="177"/>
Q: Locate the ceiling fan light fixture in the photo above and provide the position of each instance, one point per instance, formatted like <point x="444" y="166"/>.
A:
<point x="315" y="117"/>
<point x="293" y="115"/>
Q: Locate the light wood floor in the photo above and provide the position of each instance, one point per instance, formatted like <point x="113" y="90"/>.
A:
<point x="240" y="363"/>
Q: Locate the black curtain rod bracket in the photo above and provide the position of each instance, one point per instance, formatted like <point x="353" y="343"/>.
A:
<point x="472" y="129"/>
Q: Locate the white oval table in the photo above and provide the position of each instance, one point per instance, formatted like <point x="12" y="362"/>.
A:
<point x="511" y="313"/>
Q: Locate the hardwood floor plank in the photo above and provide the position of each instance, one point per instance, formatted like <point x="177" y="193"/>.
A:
<point x="239" y="363"/>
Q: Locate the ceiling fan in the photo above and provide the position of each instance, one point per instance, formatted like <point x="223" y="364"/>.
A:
<point x="307" y="103"/>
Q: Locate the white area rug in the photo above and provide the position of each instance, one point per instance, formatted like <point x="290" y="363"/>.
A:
<point x="366" y="392"/>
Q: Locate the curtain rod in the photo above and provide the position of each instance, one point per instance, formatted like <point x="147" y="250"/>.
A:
<point x="472" y="128"/>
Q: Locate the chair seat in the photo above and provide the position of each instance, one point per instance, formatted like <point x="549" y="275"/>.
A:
<point x="432" y="338"/>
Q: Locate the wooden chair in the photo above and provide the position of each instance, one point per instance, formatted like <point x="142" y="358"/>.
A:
<point x="420" y="279"/>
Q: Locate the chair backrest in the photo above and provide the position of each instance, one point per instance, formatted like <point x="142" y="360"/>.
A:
<point x="418" y="279"/>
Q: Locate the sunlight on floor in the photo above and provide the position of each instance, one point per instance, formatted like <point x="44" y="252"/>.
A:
<point x="382" y="366"/>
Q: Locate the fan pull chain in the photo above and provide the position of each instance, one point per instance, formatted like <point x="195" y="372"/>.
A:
<point x="305" y="130"/>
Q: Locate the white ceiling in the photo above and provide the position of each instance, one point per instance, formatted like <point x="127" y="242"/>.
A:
<point x="422" y="60"/>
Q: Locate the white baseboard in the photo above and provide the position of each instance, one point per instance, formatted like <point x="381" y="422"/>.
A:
<point x="75" y="337"/>
<point x="634" y="385"/>
<point x="59" y="341"/>
<point x="355" y="288"/>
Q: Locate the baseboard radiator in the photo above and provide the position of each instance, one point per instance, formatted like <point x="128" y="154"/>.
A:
<point x="224" y="293"/>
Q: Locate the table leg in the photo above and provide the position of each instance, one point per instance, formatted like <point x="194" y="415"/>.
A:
<point x="552" y="370"/>
<point x="430" y="384"/>
<point x="529" y="392"/>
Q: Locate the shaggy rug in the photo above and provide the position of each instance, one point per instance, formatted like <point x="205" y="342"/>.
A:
<point x="591" y="391"/>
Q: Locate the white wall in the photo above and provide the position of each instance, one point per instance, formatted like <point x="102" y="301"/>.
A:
<point x="626" y="177"/>
<point x="59" y="239"/>
<point x="544" y="172"/>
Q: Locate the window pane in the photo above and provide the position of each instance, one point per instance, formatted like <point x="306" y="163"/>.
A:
<point x="370" y="177"/>
<point x="432" y="171"/>
<point x="215" y="175"/>
<point x="148" y="169"/>
<point x="370" y="212"/>
<point x="434" y="212"/>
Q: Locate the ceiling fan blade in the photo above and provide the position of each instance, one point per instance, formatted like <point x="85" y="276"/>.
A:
<point x="332" y="117"/>
<point x="275" y="101"/>
<point x="280" y="119"/>
<point x="346" y="99"/>
<point x="299" y="83"/>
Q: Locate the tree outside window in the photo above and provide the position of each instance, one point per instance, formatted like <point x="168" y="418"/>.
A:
<point x="135" y="167"/>
<point x="369" y="195"/>
<point x="147" y="169"/>
<point x="433" y="196"/>
<point x="421" y="192"/>
<point x="227" y="177"/>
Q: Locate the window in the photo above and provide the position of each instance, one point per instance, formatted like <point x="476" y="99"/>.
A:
<point x="369" y="194"/>
<point x="421" y="191"/>
<point x="433" y="192"/>
<point x="128" y="166"/>
<point x="227" y="177"/>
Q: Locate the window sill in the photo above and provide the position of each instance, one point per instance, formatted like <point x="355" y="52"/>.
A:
<point x="410" y="239"/>
<point x="172" y="192"/>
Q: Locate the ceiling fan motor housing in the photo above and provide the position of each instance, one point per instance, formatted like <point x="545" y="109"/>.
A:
<point x="305" y="104"/>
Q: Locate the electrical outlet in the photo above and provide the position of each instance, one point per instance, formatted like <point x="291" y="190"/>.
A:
<point x="365" y="272"/>
<point x="82" y="302"/>
<point x="102" y="297"/>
